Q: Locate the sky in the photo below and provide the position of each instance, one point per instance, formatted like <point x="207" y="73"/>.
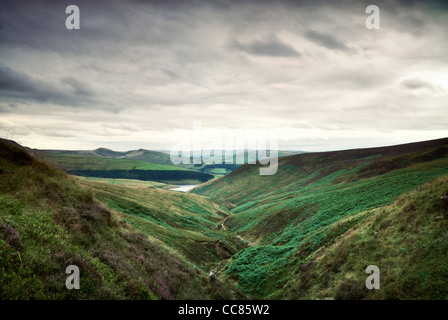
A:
<point x="136" y="71"/>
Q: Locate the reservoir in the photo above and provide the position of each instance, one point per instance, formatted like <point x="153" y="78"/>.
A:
<point x="184" y="187"/>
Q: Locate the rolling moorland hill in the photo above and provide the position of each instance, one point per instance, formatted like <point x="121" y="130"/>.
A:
<point x="324" y="217"/>
<point x="50" y="220"/>
<point x="140" y="154"/>
<point x="81" y="160"/>
<point x="94" y="165"/>
<point x="307" y="232"/>
<point x="73" y="161"/>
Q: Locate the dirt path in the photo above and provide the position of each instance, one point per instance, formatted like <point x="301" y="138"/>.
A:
<point x="249" y="243"/>
<point x="223" y="227"/>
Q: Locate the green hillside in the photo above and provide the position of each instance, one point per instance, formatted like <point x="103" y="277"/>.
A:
<point x="97" y="166"/>
<point x="313" y="200"/>
<point x="49" y="220"/>
<point x="307" y="232"/>
<point x="407" y="240"/>
<point x="140" y="154"/>
<point x="148" y="156"/>
<point x="92" y="163"/>
<point x="106" y="159"/>
<point x="183" y="223"/>
<point x="71" y="162"/>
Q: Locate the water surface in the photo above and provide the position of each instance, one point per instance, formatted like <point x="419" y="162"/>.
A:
<point x="184" y="187"/>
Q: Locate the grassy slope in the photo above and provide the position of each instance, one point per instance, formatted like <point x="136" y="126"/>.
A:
<point x="49" y="220"/>
<point x="185" y="224"/>
<point x="310" y="230"/>
<point x="407" y="240"/>
<point x="299" y="211"/>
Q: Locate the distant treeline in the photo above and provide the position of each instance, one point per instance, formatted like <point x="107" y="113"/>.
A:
<point x="146" y="175"/>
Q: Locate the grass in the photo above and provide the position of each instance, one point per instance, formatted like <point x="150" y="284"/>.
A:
<point x="308" y="232"/>
<point x="180" y="222"/>
<point x="301" y="211"/>
<point x="49" y="220"/>
<point x="409" y="232"/>
<point x="298" y="243"/>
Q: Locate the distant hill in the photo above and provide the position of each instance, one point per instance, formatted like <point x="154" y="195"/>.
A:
<point x="90" y="165"/>
<point x="104" y="152"/>
<point x="79" y="160"/>
<point x="141" y="154"/>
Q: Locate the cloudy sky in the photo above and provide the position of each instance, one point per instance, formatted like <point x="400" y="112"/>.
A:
<point x="137" y="70"/>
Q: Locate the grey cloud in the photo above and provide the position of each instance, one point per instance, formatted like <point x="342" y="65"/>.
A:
<point x="326" y="40"/>
<point x="270" y="46"/>
<point x="416" y="83"/>
<point x="19" y="85"/>
<point x="81" y="89"/>
<point x="11" y="81"/>
<point x="170" y="73"/>
<point x="353" y="79"/>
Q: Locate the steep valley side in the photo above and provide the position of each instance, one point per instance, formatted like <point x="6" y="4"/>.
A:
<point x="299" y="215"/>
<point x="129" y="243"/>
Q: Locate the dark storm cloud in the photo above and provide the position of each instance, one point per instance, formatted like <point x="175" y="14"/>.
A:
<point x="11" y="81"/>
<point x="81" y="89"/>
<point x="18" y="85"/>
<point x="437" y="4"/>
<point x="327" y="40"/>
<point x="270" y="46"/>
